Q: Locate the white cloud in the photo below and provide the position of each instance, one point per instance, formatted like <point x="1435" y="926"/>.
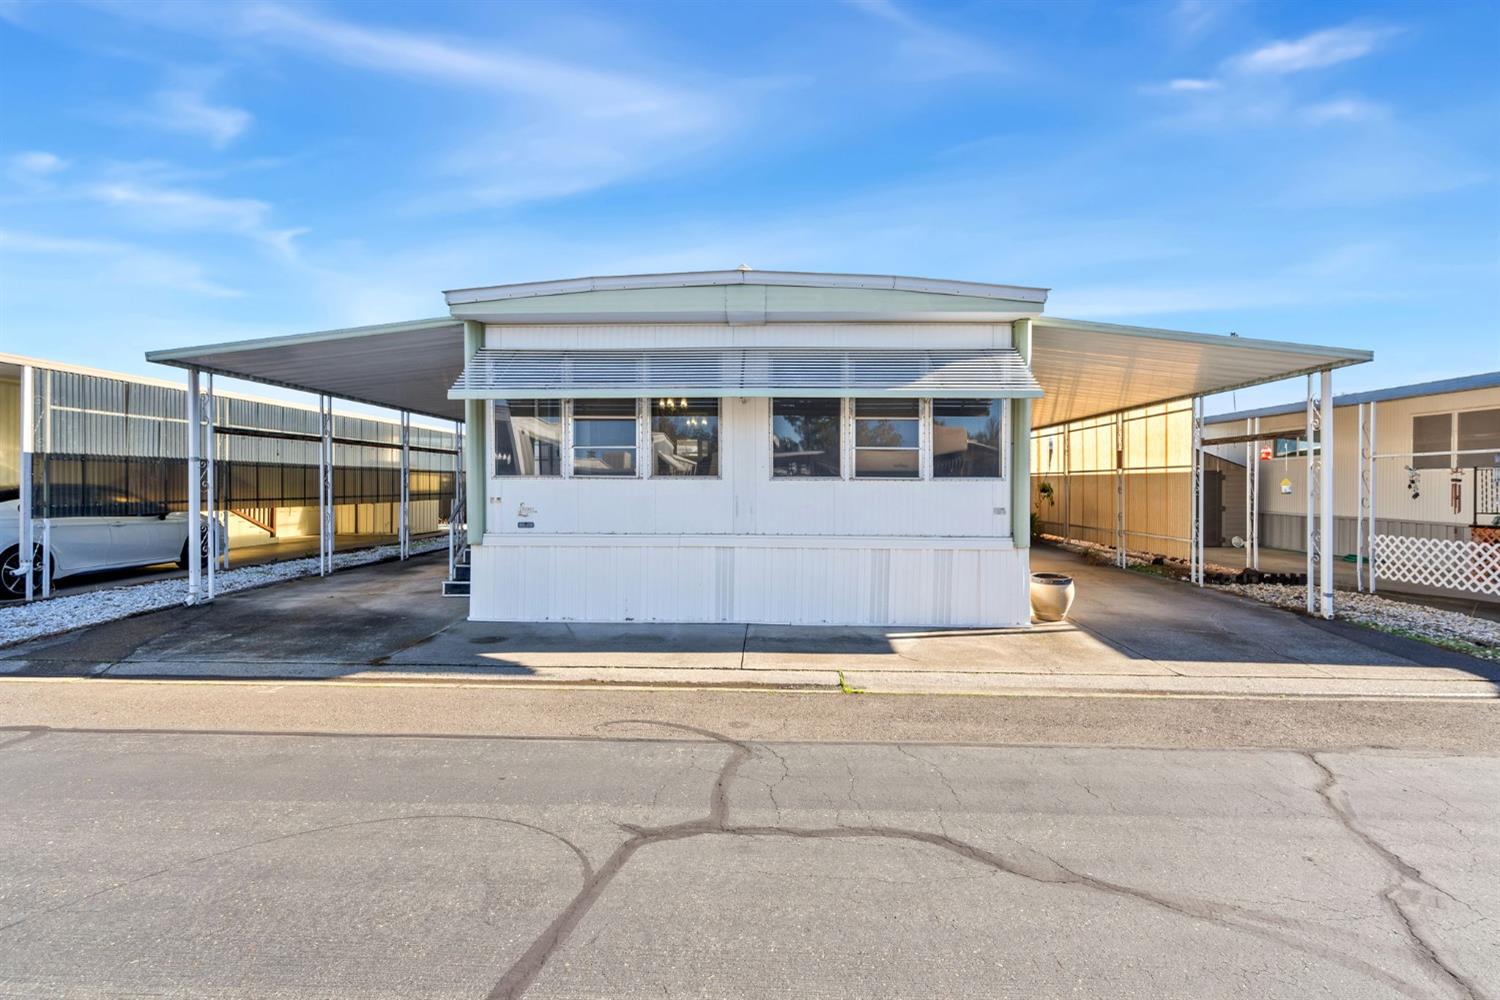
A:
<point x="126" y="263"/>
<point x="544" y="127"/>
<point x="183" y="209"/>
<point x="36" y="163"/>
<point x="1184" y="85"/>
<point x="924" y="51"/>
<point x="188" y="111"/>
<point x="1321" y="48"/>
<point x="1344" y="109"/>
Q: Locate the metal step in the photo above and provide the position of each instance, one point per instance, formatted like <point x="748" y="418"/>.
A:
<point x="455" y="588"/>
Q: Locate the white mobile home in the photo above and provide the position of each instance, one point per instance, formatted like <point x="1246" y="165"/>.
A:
<point x="754" y="445"/>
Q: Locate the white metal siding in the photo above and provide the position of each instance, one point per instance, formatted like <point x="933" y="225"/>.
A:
<point x="750" y="579"/>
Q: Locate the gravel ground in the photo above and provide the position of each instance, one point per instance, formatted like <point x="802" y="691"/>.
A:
<point x="1478" y="636"/>
<point x="59" y="614"/>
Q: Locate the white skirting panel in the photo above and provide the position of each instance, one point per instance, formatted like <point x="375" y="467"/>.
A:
<point x="722" y="578"/>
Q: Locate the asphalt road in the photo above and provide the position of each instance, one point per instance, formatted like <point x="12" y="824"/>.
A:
<point x="702" y="844"/>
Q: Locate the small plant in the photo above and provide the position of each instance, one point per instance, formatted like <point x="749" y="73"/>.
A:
<point x="1045" y="491"/>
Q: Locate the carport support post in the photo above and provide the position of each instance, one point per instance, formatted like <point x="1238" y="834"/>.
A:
<point x="194" y="497"/>
<point x="405" y="529"/>
<point x="1020" y="447"/>
<point x="1325" y="494"/>
<point x="1370" y="524"/>
<point x="325" y="485"/>
<point x="1120" y="490"/>
<point x="1253" y="535"/>
<point x="1197" y="491"/>
<point x="474" y="443"/>
<point x="210" y="446"/>
<point x="1311" y="538"/>
<point x="25" y="540"/>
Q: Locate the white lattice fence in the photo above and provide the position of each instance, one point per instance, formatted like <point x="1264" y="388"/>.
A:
<point x="1446" y="563"/>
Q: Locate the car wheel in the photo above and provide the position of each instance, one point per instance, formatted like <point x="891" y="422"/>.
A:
<point x="12" y="581"/>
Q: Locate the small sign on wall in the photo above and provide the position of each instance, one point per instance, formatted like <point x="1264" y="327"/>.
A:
<point x="1286" y="486"/>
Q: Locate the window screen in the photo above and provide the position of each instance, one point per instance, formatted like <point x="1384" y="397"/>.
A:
<point x="1432" y="432"/>
<point x="685" y="437"/>
<point x="1479" y="435"/>
<point x="528" y="437"/>
<point x="966" y="438"/>
<point x="806" y="438"/>
<point x="887" y="434"/>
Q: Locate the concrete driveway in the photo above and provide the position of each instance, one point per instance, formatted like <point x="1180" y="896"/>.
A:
<point x="1130" y="632"/>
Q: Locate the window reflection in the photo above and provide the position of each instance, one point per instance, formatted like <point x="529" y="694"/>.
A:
<point x="528" y="437"/>
<point x="966" y="438"/>
<point x="604" y="437"/>
<point x="887" y="433"/>
<point x="685" y="437"/>
<point x="806" y="438"/>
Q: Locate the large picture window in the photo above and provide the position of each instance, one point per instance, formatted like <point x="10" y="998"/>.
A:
<point x="887" y="439"/>
<point x="528" y="437"/>
<point x="966" y="438"/>
<point x="684" y="437"/>
<point x="1432" y="432"/>
<point x="604" y="437"/>
<point x="806" y="438"/>
<point x="1479" y="438"/>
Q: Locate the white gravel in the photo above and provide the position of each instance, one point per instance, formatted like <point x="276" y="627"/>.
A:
<point x="20" y="622"/>
<point x="1384" y="613"/>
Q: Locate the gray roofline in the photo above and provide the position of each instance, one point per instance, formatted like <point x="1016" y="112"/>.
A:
<point x="684" y="279"/>
<point x="1346" y="355"/>
<point x="180" y="357"/>
<point x="1440" y="387"/>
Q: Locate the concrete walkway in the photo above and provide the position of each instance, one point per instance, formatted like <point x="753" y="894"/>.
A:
<point x="1130" y="633"/>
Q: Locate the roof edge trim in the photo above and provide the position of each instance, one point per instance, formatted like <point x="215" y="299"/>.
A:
<point x="686" y="279"/>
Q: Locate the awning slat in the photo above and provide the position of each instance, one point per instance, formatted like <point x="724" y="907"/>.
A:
<point x="501" y="374"/>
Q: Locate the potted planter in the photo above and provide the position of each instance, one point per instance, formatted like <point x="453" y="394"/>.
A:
<point x="1051" y="596"/>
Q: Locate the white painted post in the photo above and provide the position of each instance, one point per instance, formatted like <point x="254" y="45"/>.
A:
<point x="325" y="485"/>
<point x="1374" y="507"/>
<point x="1362" y="435"/>
<point x="210" y="443"/>
<point x="46" y="557"/>
<point x="1310" y="537"/>
<point x="1325" y="489"/>
<point x="1067" y="482"/>
<point x="25" y="535"/>
<point x="1252" y="541"/>
<point x="1120" y="490"/>
<point x="404" y="531"/>
<point x="1195" y="535"/>
<point x="194" y="498"/>
<point x="1250" y="497"/>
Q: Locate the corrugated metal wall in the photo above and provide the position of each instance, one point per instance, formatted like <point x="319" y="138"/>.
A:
<point x="118" y="446"/>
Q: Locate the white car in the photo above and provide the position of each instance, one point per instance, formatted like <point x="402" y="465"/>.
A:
<point x="88" y="544"/>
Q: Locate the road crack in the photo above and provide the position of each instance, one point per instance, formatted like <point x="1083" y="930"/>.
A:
<point x="1405" y="877"/>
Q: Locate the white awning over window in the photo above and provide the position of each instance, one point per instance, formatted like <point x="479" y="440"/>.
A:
<point x="781" y="371"/>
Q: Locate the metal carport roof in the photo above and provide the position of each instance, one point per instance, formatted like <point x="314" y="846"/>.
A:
<point x="1084" y="368"/>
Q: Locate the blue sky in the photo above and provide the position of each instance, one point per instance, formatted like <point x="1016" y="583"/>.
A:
<point x="174" y="173"/>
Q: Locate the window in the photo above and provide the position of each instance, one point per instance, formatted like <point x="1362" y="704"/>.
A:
<point x="1479" y="434"/>
<point x="528" y="437"/>
<point x="887" y="438"/>
<point x="685" y="437"/>
<point x="1432" y="432"/>
<point x="604" y="437"/>
<point x="806" y="438"/>
<point x="966" y="438"/>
